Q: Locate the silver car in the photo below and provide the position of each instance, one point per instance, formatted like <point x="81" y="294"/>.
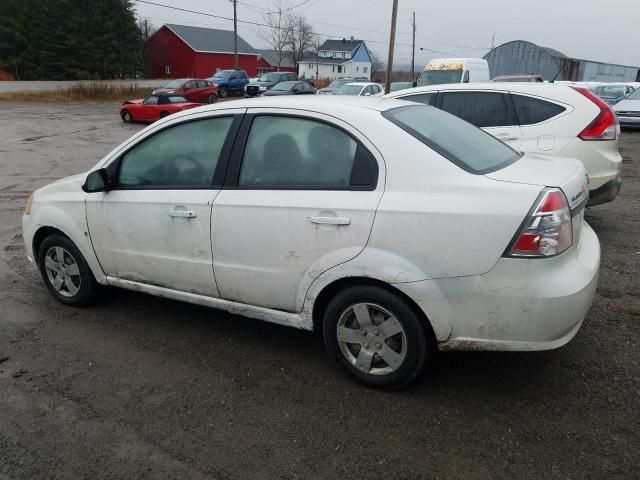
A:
<point x="628" y="110"/>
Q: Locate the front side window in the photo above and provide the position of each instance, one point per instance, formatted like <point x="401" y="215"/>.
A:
<point x="534" y="110"/>
<point x="182" y="156"/>
<point x="483" y="109"/>
<point x="469" y="147"/>
<point x="286" y="152"/>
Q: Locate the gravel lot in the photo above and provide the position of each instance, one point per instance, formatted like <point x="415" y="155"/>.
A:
<point x="140" y="387"/>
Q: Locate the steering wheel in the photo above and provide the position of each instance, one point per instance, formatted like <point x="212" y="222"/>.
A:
<point x="179" y="175"/>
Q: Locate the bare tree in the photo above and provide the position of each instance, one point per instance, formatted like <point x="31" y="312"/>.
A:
<point x="278" y="34"/>
<point x="377" y="66"/>
<point x="301" y="38"/>
<point x="146" y="28"/>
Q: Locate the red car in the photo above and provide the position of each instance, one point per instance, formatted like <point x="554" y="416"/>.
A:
<point x="154" y="107"/>
<point x="193" y="89"/>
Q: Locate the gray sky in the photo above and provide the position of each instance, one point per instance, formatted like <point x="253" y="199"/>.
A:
<point x="450" y="27"/>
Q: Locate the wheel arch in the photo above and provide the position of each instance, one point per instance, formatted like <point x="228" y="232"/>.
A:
<point x="330" y="290"/>
<point x="85" y="247"/>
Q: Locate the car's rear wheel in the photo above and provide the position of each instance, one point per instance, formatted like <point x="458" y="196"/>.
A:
<point x="377" y="337"/>
<point x="213" y="98"/>
<point x="126" y="116"/>
<point x="65" y="271"/>
<point x="164" y="114"/>
<point x="224" y="92"/>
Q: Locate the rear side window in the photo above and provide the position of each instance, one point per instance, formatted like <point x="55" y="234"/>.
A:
<point x="296" y="153"/>
<point x="425" y="98"/>
<point x="483" y="109"/>
<point x="463" y="144"/>
<point x="534" y="110"/>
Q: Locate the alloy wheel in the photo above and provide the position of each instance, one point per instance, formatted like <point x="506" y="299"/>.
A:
<point x="372" y="339"/>
<point x="62" y="271"/>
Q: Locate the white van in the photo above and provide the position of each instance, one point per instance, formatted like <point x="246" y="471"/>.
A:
<point x="454" y="70"/>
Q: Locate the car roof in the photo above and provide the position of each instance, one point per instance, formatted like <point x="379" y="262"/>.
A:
<point x="339" y="106"/>
<point x="360" y="84"/>
<point x="524" y="87"/>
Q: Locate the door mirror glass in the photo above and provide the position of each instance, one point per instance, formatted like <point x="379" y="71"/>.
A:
<point x="97" y="181"/>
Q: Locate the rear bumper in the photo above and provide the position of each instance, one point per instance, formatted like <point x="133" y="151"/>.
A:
<point x="521" y="304"/>
<point x="605" y="193"/>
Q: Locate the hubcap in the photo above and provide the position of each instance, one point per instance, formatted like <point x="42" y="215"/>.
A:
<point x="372" y="339"/>
<point x="62" y="271"/>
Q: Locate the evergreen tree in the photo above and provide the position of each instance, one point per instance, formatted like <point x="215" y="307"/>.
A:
<point x="69" y="39"/>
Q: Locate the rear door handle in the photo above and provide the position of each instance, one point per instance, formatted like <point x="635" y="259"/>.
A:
<point x="330" y="220"/>
<point x="182" y="213"/>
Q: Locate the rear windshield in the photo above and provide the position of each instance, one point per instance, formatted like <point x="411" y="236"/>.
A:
<point x="469" y="147"/>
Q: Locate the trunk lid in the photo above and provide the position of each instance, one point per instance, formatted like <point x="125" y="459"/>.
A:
<point x="567" y="174"/>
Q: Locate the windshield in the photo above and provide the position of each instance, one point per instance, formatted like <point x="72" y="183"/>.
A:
<point x="469" y="147"/>
<point x="338" y="83"/>
<point x="225" y="74"/>
<point x="174" y="84"/>
<point x="395" y="86"/>
<point x="349" y="90"/>
<point x="635" y="95"/>
<point x="613" y="91"/>
<point x="438" y="77"/>
<point x="269" y="77"/>
<point x="283" y="86"/>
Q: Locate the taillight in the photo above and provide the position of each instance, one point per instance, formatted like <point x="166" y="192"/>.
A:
<point x="605" y="125"/>
<point x="547" y="231"/>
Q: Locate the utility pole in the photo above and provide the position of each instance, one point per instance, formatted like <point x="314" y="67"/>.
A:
<point x="392" y="41"/>
<point x="413" y="49"/>
<point x="317" y="58"/>
<point x="235" y="34"/>
<point x="493" y="40"/>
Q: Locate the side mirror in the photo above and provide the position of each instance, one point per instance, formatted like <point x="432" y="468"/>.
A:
<point x="97" y="181"/>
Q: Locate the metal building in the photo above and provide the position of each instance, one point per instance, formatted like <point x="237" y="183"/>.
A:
<point x="521" y="57"/>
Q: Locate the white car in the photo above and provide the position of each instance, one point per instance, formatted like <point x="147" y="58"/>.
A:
<point x="362" y="89"/>
<point x="393" y="229"/>
<point x="628" y="110"/>
<point x="544" y="118"/>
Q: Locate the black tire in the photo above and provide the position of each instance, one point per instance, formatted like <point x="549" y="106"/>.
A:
<point x="224" y="92"/>
<point x="126" y="116"/>
<point x="87" y="285"/>
<point x="420" y="340"/>
<point x="164" y="114"/>
<point x="213" y="99"/>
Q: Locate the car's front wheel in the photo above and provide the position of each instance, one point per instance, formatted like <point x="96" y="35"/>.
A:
<point x="126" y="116"/>
<point x="65" y="271"/>
<point x="377" y="337"/>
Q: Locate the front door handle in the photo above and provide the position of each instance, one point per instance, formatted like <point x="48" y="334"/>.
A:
<point x="506" y="136"/>
<point x="182" y="213"/>
<point x="330" y="220"/>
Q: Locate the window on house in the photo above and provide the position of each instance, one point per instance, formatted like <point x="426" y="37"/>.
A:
<point x="365" y="69"/>
<point x="167" y="69"/>
<point x="333" y="68"/>
<point x="344" y="55"/>
<point x="339" y="68"/>
<point x="357" y="69"/>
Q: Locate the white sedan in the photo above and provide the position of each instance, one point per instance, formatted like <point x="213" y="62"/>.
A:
<point x="545" y="118"/>
<point x="362" y="89"/>
<point x="391" y="228"/>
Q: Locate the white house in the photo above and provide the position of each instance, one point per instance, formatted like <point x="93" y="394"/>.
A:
<point x="338" y="58"/>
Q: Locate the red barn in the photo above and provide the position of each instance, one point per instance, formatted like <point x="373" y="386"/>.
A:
<point x="180" y="51"/>
<point x="268" y="62"/>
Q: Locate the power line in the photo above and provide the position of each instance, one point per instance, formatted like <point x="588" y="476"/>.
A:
<point x="247" y="22"/>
